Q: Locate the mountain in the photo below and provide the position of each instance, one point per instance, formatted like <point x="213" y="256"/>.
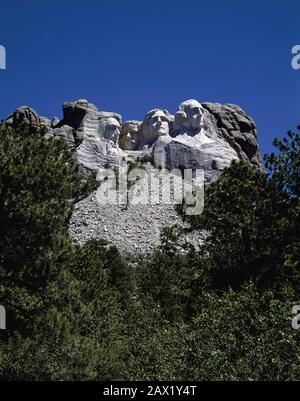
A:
<point x="200" y="136"/>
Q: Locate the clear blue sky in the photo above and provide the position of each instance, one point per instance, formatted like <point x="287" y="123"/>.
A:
<point x="130" y="56"/>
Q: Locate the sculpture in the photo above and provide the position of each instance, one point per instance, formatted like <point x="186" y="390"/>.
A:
<point x="189" y="115"/>
<point x="156" y="123"/>
<point x="130" y="135"/>
<point x="189" y="121"/>
<point x="207" y="136"/>
<point x="109" y="126"/>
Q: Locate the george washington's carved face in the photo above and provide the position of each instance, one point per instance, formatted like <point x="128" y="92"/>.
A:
<point x="190" y="114"/>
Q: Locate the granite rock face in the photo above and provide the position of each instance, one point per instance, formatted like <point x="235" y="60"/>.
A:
<point x="66" y="132"/>
<point x="92" y="134"/>
<point x="194" y="142"/>
<point x="24" y="115"/>
<point x="156" y="124"/>
<point x="207" y="136"/>
<point x="237" y="129"/>
<point x="129" y="135"/>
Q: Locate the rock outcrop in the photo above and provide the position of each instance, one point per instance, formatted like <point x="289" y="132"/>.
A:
<point x="205" y="136"/>
<point x="237" y="129"/>
<point x="24" y="115"/>
<point x="92" y="135"/>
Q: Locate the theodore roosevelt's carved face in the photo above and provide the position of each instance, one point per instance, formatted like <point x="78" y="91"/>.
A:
<point x="129" y="135"/>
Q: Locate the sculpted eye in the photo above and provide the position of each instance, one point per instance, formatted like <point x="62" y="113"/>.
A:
<point x="196" y="110"/>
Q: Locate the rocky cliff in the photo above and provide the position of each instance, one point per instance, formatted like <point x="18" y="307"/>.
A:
<point x="205" y="136"/>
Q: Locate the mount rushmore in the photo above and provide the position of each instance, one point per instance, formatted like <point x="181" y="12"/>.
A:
<point x="206" y="136"/>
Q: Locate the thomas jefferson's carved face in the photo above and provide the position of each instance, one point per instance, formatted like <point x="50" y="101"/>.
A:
<point x="159" y="124"/>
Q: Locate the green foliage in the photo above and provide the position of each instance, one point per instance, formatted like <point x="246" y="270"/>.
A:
<point x="244" y="335"/>
<point x="38" y="179"/>
<point x="79" y="312"/>
<point x="52" y="290"/>
<point x="284" y="167"/>
<point x="171" y="277"/>
<point x="252" y="226"/>
<point x="284" y="172"/>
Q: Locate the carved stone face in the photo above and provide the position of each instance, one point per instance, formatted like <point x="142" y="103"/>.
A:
<point x="190" y="114"/>
<point x="129" y="136"/>
<point x="110" y="129"/>
<point x="159" y="124"/>
<point x="156" y="123"/>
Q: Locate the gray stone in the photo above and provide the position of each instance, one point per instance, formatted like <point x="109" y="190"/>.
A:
<point x="75" y="112"/>
<point x="237" y="129"/>
<point x="207" y="136"/>
<point x="157" y="123"/>
<point x="65" y="132"/>
<point x="94" y="154"/>
<point x="212" y="158"/>
<point x="24" y="115"/>
<point x="130" y="135"/>
<point x="194" y="143"/>
<point x="55" y="121"/>
<point x="109" y="125"/>
<point x="135" y="230"/>
<point x="82" y="116"/>
<point x="45" y="122"/>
